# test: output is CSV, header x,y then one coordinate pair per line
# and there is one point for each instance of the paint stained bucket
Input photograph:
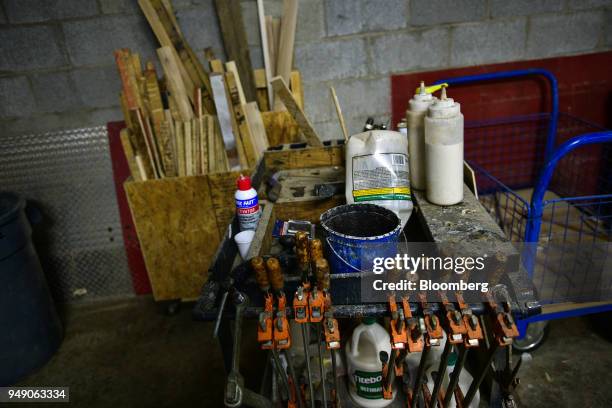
x,y
358,233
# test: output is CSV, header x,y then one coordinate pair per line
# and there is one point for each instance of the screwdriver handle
x,y
261,275
275,274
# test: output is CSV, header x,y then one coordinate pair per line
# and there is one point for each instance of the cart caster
x,y
170,307
535,334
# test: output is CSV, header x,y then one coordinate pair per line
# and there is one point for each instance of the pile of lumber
x,y
188,120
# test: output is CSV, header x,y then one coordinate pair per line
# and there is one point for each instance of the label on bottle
x,y
248,213
381,176
369,384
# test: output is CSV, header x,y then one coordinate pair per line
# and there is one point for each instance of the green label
x,y
369,384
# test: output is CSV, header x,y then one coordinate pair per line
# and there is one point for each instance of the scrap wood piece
x,y
339,113
284,63
128,79
188,136
230,66
244,132
175,83
179,131
269,65
261,89
216,66
235,42
280,88
223,111
138,174
272,43
296,88
258,130
161,18
164,138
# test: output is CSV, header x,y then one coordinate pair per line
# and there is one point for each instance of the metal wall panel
x,y
68,176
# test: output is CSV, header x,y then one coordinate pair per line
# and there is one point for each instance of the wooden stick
x,y
175,83
266,51
179,131
280,88
296,88
230,66
272,50
287,40
138,174
339,112
216,66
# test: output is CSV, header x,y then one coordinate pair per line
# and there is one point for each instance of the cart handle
x,y
554,93
537,197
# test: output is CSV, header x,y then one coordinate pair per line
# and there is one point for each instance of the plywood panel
x,y
177,234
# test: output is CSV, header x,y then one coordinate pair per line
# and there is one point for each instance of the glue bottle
x,y
247,204
415,116
444,151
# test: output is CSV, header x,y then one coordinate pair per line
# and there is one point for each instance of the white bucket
x,y
243,240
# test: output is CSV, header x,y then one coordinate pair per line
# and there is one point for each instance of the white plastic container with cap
x,y
415,117
364,366
465,380
377,171
444,151
247,204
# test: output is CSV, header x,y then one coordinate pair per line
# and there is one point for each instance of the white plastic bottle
x,y
363,364
415,117
465,381
377,171
444,151
247,204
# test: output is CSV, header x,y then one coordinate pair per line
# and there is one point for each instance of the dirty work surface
x,y
126,353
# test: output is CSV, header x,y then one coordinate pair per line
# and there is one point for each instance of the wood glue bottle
x,y
247,204
444,151
415,116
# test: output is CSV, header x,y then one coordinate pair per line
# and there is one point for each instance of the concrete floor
x,y
129,353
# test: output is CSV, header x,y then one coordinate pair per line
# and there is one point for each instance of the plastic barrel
x,y
30,329
358,233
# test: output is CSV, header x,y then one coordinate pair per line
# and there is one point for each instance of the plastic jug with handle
x,y
364,366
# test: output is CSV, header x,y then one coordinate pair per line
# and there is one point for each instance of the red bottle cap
x,y
243,183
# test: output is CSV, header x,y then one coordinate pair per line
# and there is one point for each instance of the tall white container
x,y
415,123
377,171
364,366
444,152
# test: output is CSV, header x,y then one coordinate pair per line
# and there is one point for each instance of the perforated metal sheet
x,y
68,176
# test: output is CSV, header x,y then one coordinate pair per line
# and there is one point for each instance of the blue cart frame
x,y
529,213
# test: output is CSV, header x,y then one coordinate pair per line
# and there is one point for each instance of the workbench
x,y
467,224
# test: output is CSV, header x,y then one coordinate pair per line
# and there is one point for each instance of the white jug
x,y
364,366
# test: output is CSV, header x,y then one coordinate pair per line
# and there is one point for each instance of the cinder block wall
x,y
57,72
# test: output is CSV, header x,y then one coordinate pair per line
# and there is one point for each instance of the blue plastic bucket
x,y
358,233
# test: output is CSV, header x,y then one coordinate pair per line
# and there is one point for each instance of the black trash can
x,y
30,329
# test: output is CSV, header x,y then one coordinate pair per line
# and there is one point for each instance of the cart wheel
x,y
533,338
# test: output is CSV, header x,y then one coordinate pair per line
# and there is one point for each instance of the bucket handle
x,y
344,260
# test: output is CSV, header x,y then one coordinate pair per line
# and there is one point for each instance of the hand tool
x,y
388,374
330,326
281,334
302,253
455,331
235,393
472,339
432,338
301,315
398,342
504,330
316,304
238,274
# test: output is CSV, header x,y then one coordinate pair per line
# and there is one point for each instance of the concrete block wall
x,y
57,69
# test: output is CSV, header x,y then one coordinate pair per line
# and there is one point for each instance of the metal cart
x,y
547,180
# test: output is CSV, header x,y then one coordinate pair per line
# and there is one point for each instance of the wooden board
x,y
230,66
177,234
302,158
177,88
283,92
280,128
261,90
235,42
286,41
257,128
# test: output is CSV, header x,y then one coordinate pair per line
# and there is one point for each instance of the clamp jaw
x,y
504,326
264,326
473,329
454,321
282,339
316,305
414,330
432,324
